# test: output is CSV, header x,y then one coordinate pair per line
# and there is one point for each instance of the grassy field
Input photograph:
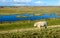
x,y
26,24
35,10
30,10
43,33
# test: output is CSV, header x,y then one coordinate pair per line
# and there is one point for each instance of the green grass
x,y
15,25
53,21
43,33
26,24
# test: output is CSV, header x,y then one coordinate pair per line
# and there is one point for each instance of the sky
x,y
29,2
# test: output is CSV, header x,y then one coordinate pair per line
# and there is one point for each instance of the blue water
x,y
14,17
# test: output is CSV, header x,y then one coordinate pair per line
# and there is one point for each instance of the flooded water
x,y
17,17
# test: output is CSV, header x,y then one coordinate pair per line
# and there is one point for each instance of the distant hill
x,y
29,9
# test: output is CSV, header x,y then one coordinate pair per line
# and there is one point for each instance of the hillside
x,y
25,9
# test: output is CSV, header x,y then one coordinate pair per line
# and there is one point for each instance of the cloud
x,y
22,0
18,4
38,2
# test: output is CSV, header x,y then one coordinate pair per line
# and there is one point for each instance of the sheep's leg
x,y
45,26
39,26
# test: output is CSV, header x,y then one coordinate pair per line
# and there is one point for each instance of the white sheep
x,y
41,24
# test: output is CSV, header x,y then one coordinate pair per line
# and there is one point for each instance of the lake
x,y
18,17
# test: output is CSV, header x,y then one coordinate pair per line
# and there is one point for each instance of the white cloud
x,y
22,0
18,4
38,2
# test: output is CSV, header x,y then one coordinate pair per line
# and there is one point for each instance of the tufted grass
x,y
43,33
